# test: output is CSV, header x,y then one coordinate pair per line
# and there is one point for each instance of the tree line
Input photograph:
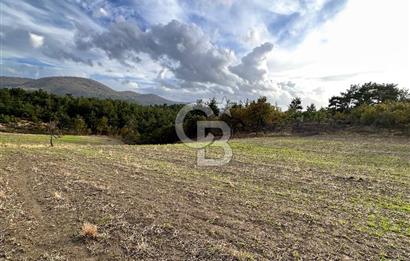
x,y
84,116
370,104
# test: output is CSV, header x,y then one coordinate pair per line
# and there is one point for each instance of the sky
x,y
184,50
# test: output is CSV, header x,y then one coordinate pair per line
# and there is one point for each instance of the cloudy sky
x,y
189,49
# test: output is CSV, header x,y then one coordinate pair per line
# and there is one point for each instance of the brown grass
x,y
89,230
57,195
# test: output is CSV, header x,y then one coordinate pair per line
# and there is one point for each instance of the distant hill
x,y
80,87
13,82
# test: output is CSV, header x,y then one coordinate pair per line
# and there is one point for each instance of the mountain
x,y
80,87
13,82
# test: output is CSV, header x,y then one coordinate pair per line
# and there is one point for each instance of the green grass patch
x,y
38,139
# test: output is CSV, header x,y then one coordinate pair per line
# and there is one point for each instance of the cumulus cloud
x,y
181,48
36,40
188,58
250,67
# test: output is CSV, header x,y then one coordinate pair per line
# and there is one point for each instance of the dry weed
x,y
89,230
57,195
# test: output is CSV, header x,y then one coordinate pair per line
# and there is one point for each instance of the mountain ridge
x,y
80,87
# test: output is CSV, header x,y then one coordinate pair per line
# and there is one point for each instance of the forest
x,y
370,104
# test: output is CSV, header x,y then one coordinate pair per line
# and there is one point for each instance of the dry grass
x,y
57,195
89,230
2,194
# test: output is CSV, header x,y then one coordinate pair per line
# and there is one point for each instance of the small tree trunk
x,y
51,126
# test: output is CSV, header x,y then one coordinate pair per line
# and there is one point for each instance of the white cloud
x,y
36,40
252,67
101,12
257,35
368,41
159,11
134,85
210,50
183,49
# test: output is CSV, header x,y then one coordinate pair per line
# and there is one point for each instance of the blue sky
x,y
189,49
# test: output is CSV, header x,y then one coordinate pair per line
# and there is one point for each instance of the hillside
x,y
13,82
80,87
280,198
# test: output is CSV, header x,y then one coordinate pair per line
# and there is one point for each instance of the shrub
x,y
130,136
89,230
386,115
4,118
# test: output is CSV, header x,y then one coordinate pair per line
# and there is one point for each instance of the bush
x,y
257,115
130,136
5,118
385,115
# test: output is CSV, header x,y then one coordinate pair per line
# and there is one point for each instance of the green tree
x,y
79,125
368,93
214,106
103,126
310,113
296,105
259,114
311,108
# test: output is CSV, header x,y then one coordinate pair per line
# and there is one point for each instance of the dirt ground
x,y
343,197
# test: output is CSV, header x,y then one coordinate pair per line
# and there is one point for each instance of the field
x,y
344,197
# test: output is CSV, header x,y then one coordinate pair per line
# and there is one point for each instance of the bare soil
x,y
281,198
